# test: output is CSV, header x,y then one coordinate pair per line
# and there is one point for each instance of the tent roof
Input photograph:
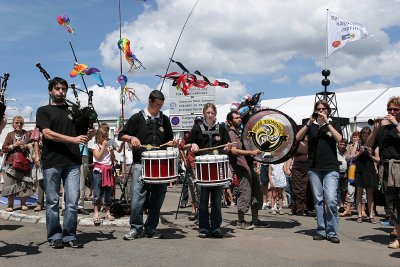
x,y
362,104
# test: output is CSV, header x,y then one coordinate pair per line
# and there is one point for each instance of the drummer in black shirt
x,y
209,134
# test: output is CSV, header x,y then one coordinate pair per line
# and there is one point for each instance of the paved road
x,y
287,243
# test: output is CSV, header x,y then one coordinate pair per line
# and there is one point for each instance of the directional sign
x,y
189,105
194,91
182,122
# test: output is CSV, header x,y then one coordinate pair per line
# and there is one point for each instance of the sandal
x,y
96,220
109,217
38,208
359,220
24,208
9,209
372,220
395,244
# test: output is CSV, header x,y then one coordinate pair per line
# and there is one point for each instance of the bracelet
x,y
396,124
328,123
307,125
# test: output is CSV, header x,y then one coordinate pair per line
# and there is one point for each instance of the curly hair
x,y
394,100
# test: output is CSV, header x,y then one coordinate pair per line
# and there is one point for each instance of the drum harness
x,y
156,121
209,133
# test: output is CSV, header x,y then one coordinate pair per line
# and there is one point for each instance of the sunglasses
x,y
19,123
393,109
321,109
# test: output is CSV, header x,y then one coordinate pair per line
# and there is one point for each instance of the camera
x,y
315,115
372,121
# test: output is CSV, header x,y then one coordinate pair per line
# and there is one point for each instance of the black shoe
x,y
203,235
83,211
318,237
57,244
334,239
299,213
153,234
74,244
192,217
293,212
217,234
183,205
260,224
341,210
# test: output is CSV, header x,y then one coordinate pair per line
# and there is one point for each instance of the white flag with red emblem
x,y
341,31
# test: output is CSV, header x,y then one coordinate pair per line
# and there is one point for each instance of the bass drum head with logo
x,y
272,132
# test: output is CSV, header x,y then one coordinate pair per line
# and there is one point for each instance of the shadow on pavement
x,y
10,227
381,239
7,250
395,254
308,232
99,236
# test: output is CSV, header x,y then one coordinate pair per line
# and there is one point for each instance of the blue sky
x,y
275,46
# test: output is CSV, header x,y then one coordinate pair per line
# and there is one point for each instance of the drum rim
x,y
202,158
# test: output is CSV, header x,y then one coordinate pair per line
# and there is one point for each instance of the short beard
x,y
58,100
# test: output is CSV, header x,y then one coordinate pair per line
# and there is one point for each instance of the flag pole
x,y
326,40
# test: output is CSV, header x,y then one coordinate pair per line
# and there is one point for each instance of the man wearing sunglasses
x,y
386,136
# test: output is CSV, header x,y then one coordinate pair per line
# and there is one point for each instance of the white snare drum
x,y
159,166
212,170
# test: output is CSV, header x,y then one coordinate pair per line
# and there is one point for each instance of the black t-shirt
x,y
57,154
219,137
322,147
388,140
153,132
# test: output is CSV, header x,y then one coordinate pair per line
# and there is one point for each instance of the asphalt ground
x,y
288,242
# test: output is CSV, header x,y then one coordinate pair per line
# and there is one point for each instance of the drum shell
x,y
212,170
159,166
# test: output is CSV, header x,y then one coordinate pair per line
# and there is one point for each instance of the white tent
x,y
358,106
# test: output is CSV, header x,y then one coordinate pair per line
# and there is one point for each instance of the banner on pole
x,y
341,31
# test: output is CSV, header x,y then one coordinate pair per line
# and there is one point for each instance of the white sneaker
x,y
273,212
265,206
281,212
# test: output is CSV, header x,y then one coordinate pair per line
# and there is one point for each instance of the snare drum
x,y
212,170
159,166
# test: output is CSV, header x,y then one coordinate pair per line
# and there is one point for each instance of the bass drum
x,y
272,132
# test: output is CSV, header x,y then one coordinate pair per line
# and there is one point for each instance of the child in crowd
x,y
277,180
103,180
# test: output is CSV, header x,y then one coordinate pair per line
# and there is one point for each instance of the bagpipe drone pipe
x,y
3,83
83,117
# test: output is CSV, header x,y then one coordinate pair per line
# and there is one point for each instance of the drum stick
x,y
210,148
149,146
168,142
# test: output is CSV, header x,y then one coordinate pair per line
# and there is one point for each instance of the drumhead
x,y
272,132
210,158
156,154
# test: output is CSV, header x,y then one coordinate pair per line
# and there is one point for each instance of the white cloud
x,y
106,101
283,79
366,85
251,37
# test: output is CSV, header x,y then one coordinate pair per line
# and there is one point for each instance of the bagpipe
x,y
83,117
5,78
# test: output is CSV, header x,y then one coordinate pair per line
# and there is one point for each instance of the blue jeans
x,y
99,191
139,191
70,176
324,185
216,217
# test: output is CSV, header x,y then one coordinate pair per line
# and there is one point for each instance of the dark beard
x,y
58,100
